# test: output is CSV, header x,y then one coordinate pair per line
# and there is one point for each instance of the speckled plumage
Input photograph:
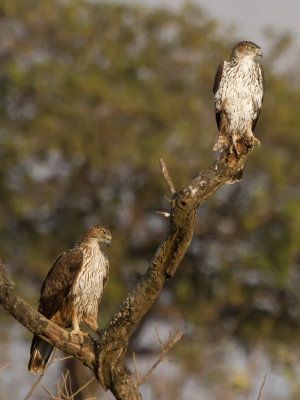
x,y
88,286
238,96
72,291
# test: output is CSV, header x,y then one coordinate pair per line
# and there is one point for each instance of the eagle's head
x,y
246,48
99,233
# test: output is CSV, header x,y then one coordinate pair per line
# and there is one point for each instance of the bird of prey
x,y
238,97
72,291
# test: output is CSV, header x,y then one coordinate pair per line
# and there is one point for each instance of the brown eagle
x,y
238,97
72,291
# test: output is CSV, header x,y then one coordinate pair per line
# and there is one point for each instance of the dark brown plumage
x,y
72,290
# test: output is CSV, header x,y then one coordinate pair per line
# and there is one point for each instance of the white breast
x,y
240,94
88,287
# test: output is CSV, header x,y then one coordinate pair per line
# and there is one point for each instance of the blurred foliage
x,y
92,95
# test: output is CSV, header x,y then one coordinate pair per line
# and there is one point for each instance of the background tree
x,y
92,95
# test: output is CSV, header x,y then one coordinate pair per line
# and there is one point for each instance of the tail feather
x,y
39,355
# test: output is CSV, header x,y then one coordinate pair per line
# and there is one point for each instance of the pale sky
x,y
250,17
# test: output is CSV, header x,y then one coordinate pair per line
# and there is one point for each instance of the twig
x,y
168,199
163,213
167,176
49,393
35,385
64,383
165,350
64,391
62,359
91,398
5,366
159,340
262,386
84,386
136,370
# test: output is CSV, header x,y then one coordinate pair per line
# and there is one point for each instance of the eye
x,y
250,47
102,232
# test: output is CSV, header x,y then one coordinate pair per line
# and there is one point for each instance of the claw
x,y
81,335
256,141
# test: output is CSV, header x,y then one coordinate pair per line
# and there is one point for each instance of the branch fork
x,y
106,357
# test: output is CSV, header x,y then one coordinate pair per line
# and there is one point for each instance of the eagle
x,y
238,97
72,291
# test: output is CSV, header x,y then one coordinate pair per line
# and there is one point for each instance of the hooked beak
x,y
259,53
108,242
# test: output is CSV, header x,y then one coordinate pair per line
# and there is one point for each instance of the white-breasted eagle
x,y
238,97
72,291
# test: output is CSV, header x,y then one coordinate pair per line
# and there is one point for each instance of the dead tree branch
x,y
5,366
167,176
262,386
165,350
106,357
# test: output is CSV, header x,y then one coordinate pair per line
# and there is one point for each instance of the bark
x,y
106,356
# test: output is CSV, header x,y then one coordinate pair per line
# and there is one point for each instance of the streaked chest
x,y
241,82
88,286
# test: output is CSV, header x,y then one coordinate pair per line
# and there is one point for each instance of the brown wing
x,y
217,81
262,84
59,281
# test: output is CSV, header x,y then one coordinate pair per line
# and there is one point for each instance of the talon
x,y
256,141
81,335
233,149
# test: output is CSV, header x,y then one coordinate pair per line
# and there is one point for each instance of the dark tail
x,y
40,352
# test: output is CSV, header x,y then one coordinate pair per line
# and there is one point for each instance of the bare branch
x,y
5,366
262,386
159,341
163,213
49,393
168,199
65,384
61,359
84,386
136,370
167,176
165,350
64,391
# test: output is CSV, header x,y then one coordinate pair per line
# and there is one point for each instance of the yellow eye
x,y
102,232
249,47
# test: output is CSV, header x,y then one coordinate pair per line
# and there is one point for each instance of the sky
x,y
251,17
